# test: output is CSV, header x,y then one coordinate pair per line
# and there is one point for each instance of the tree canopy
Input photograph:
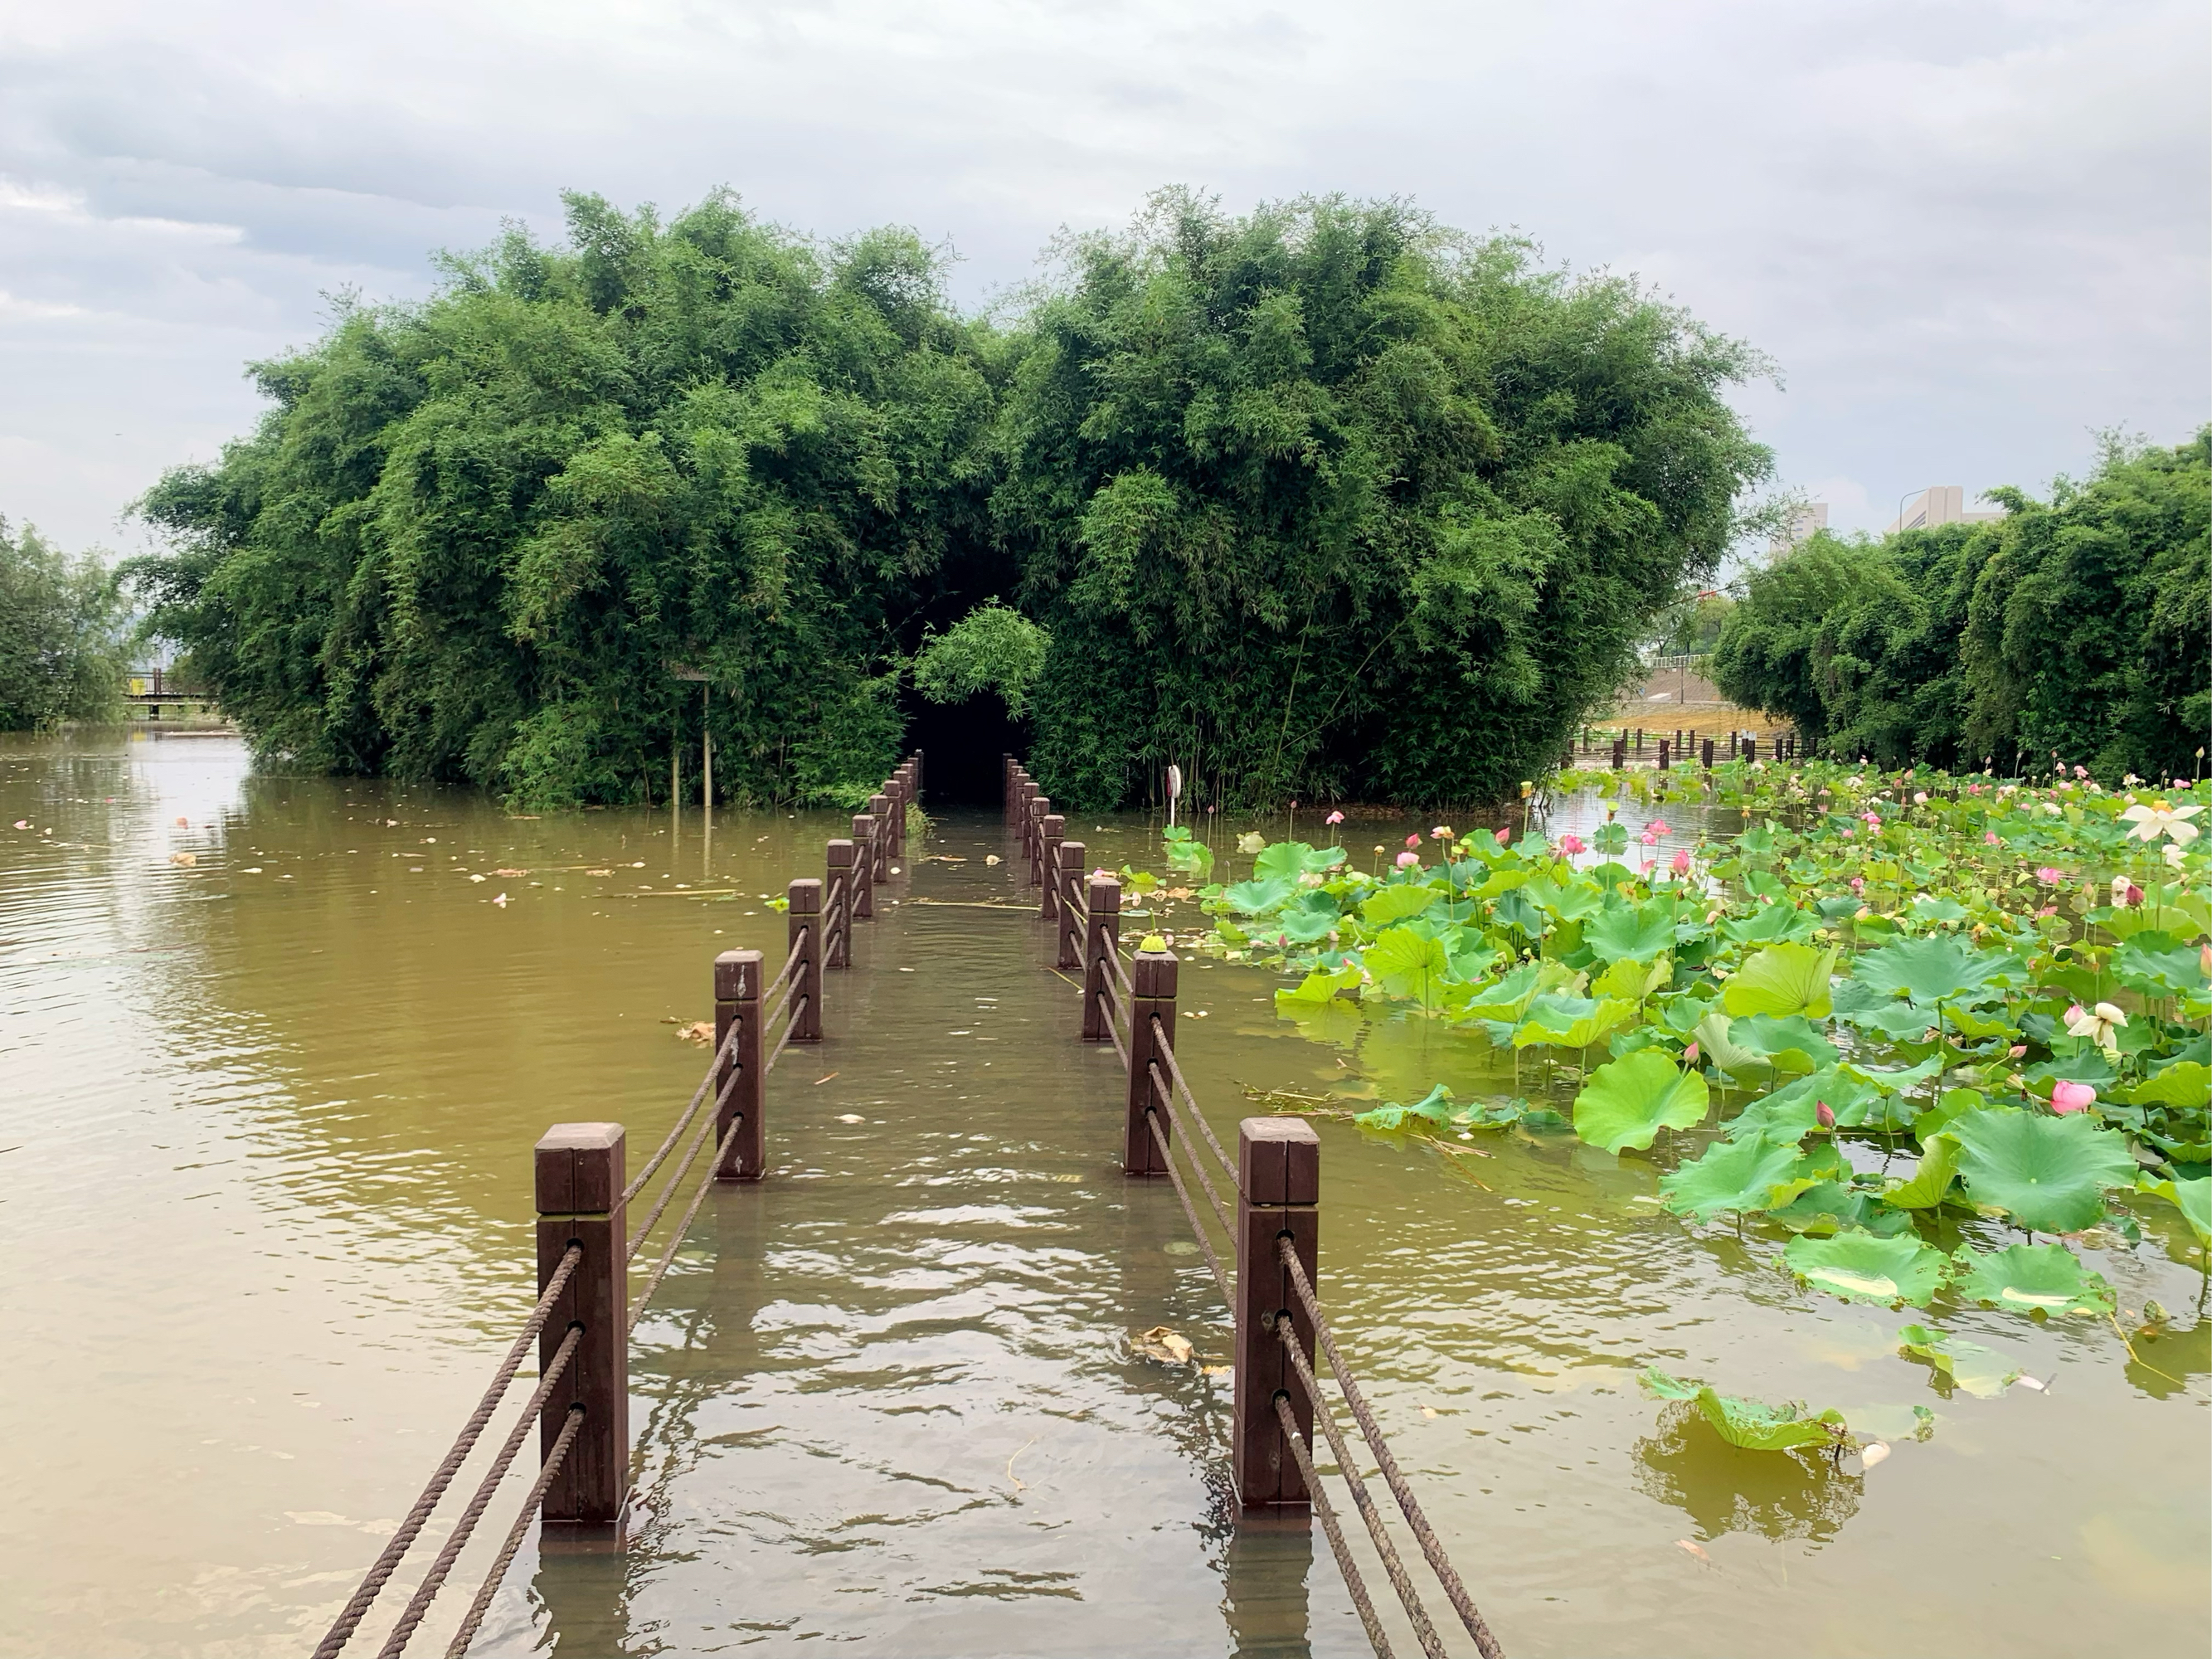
x,y
1323,500
2077,630
62,634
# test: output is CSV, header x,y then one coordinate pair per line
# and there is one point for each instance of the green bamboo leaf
x,y
1782,980
2033,1278
1862,1268
1627,1101
2050,1174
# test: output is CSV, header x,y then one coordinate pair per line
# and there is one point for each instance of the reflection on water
x,y
269,1079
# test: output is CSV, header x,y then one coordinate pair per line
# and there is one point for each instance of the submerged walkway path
x,y
886,1380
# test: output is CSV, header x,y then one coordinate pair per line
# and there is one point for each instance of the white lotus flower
x,y
2154,818
2098,1025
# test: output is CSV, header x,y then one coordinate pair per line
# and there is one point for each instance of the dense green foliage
x,y
2077,630
62,635
1326,502
1692,627
1321,500
993,648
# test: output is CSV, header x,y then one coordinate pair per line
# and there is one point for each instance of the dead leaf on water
x,y
989,858
1162,1345
1428,1411
1874,1452
510,875
598,872
1218,1371
699,1031
183,860
1696,1550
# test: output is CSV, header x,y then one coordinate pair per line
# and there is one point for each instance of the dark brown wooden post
x,y
1709,754
1067,926
1050,833
1664,751
1040,810
1152,983
913,772
581,1173
1102,941
1278,1192
889,813
804,897
1619,753
865,830
837,906
737,1002
1751,749
1640,739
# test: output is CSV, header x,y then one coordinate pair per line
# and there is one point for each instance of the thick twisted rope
x,y
1423,1632
782,1002
790,962
381,1569
473,1619
783,1042
668,1187
675,1239
660,1154
1174,1123
435,1580
1205,1243
1455,1591
1337,1546
1114,1030
1166,1051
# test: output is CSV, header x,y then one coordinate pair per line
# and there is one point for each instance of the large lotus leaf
x,y
1969,1023
1319,988
1983,1372
1898,1081
1830,1207
1634,933
1939,1167
1862,1268
1631,978
1567,1022
1504,999
1794,1109
1772,924
1871,1010
2033,1278
1627,1101
1790,1045
2050,1174
1253,898
1783,979
1928,909
1406,964
1434,1110
1750,1174
1295,858
2186,1082
1572,903
1933,970
2192,1198
1751,1423
1395,902
1306,920
1516,909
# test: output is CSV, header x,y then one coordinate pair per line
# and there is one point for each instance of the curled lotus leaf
x,y
1406,963
1782,980
2033,1278
1750,1174
1831,1206
2048,1174
1628,1101
1632,932
1434,1110
1863,1268
1927,1186
1320,986
1554,1021
2192,1198
1295,858
1751,1423
1983,1372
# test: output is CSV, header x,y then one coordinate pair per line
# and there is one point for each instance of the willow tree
x,y
1328,502
480,538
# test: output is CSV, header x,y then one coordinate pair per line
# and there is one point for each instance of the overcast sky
x,y
1967,231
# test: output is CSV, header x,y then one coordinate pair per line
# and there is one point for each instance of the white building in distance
x,y
1938,504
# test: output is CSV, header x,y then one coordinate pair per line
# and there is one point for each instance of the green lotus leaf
x,y
1869,1010
1627,1101
1573,902
1900,1080
1631,978
2050,1174
1751,1423
1294,858
1862,1267
1406,964
1927,909
1750,1174
1317,987
2186,1084
1252,898
2033,1278
1789,1045
1434,1110
1969,1023
2192,1198
1635,934
1395,902
1505,998
1566,1021
1793,1110
1829,1207
1782,980
1939,1167
1719,1047
1773,924
1310,917
1933,970
1981,1372
2173,970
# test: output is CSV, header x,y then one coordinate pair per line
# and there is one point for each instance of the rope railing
x,y
1167,1104
1113,1028
1338,1548
1393,1476
410,1525
690,1155
1198,1230
473,1619
682,1226
698,1095
783,1042
1166,1051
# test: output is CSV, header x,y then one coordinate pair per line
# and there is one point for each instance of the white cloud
x,y
1968,230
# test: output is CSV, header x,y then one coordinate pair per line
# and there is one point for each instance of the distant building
x,y
1808,521
1938,504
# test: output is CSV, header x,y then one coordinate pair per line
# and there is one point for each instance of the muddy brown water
x,y
267,1120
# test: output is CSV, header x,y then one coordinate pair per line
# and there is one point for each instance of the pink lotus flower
x,y
1648,838
2081,771
1407,860
2135,894
1334,817
1989,838
2070,1097
1441,832
1572,845
1850,832
1682,862
1657,826
1413,841
1506,835
1690,1055
2049,877
1872,821
1858,883
1823,1114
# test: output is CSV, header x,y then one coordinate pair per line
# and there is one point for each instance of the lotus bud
x,y
2067,1096
1823,1114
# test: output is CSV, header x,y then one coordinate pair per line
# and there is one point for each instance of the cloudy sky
x,y
1969,232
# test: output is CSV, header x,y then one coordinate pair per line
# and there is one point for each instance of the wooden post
x,y
889,811
1104,940
581,1173
1278,1192
1040,810
865,830
1640,739
837,904
1751,749
1709,754
1619,753
1664,751
1067,926
1152,981
737,1002
804,915
1048,838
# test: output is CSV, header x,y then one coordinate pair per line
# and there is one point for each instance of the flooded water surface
x,y
273,1053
